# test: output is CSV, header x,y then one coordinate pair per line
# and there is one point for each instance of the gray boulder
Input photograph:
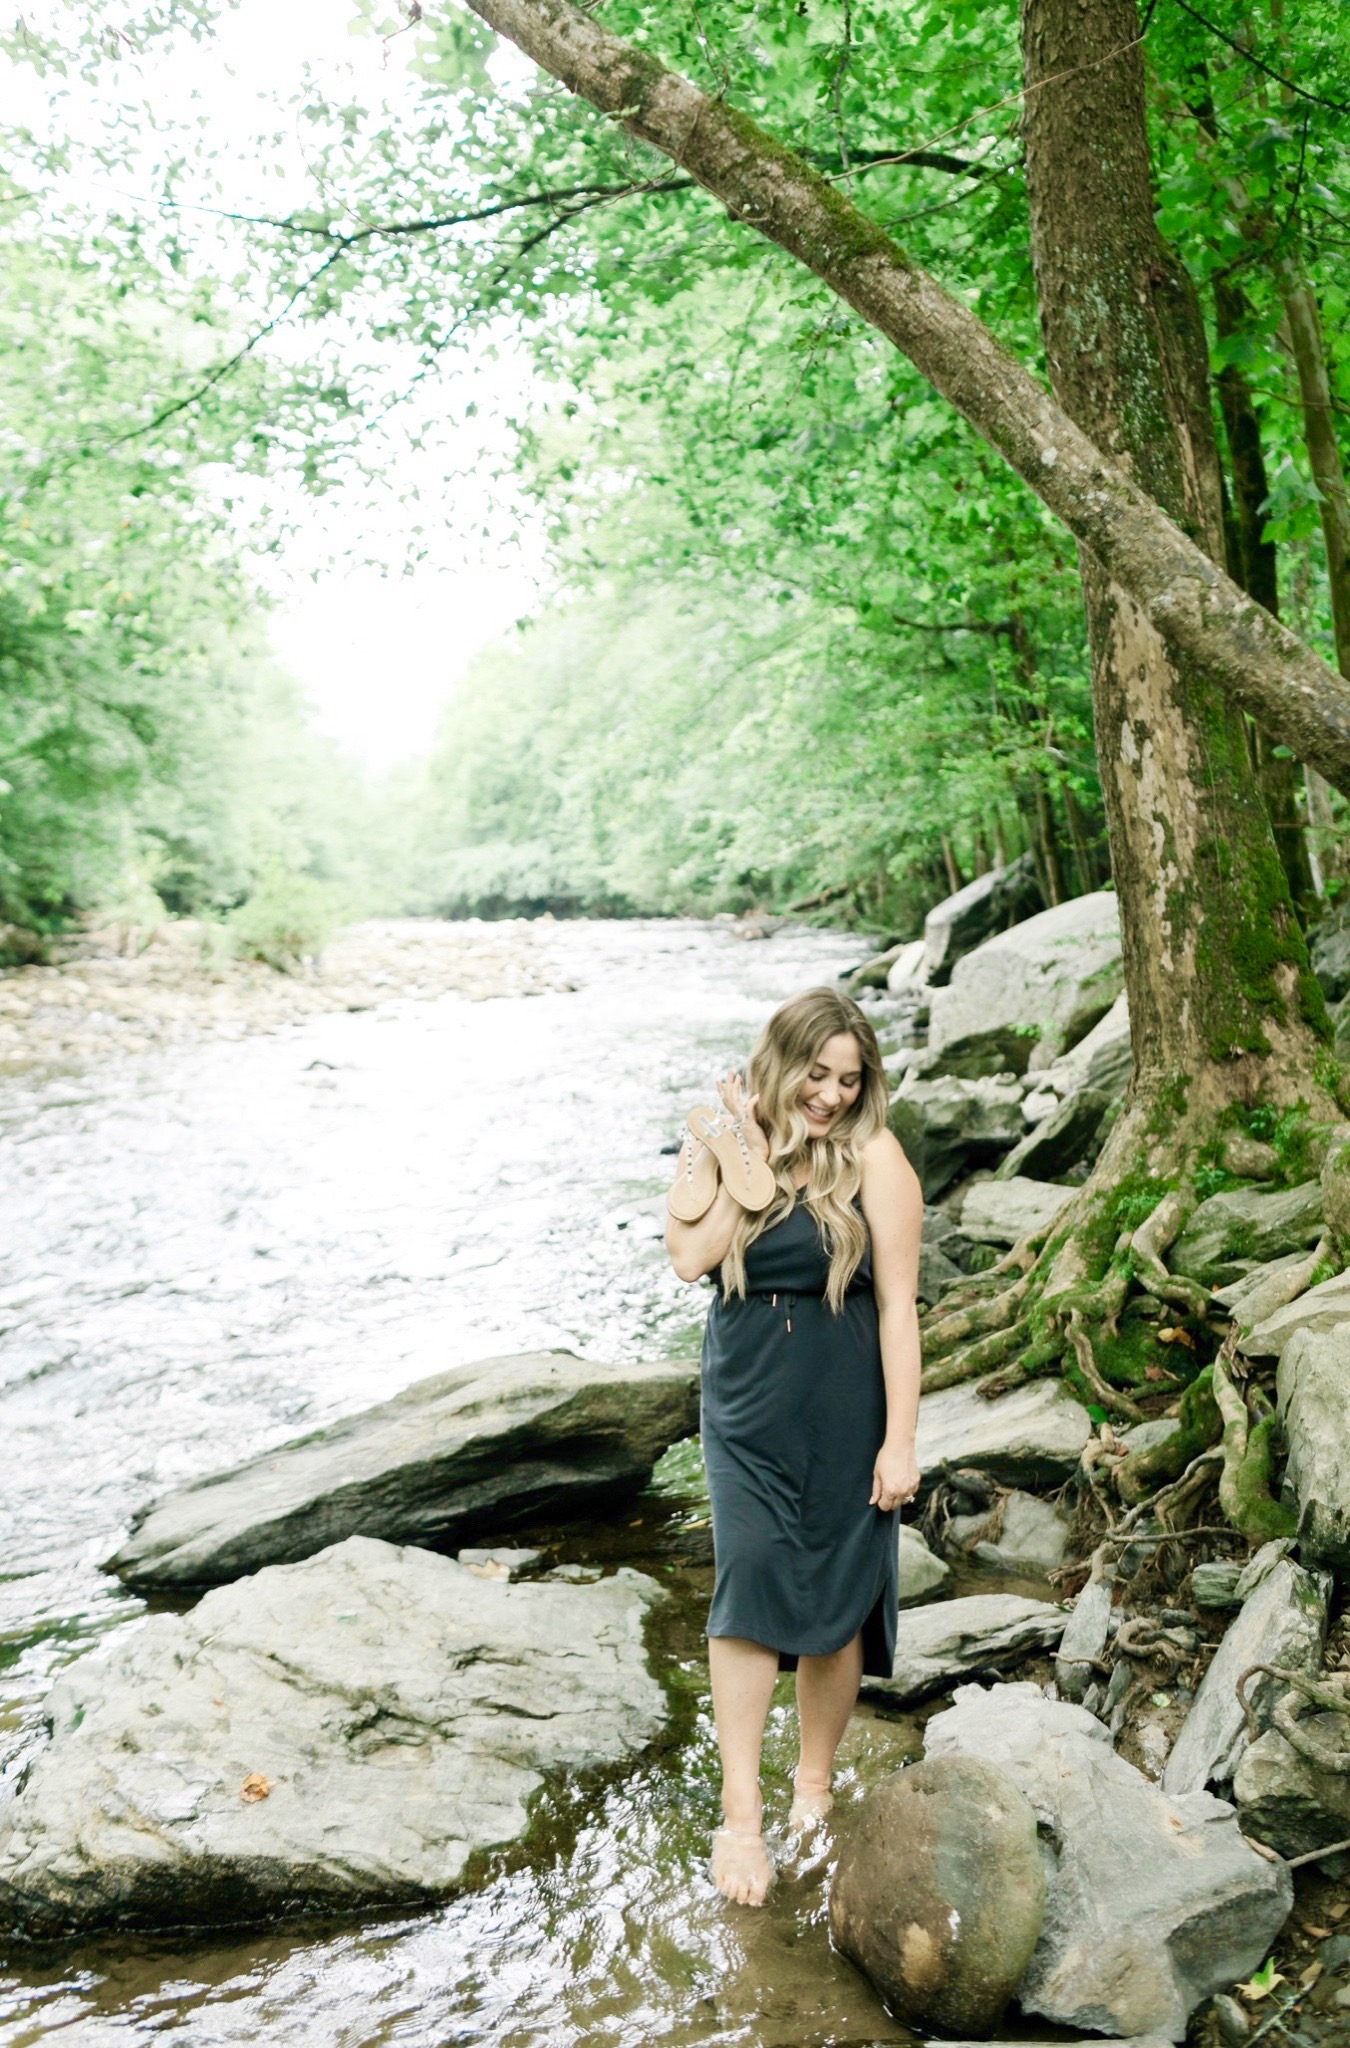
x,y
922,1573
1313,1385
1283,1620
1321,1310
1248,1226
937,1274
1025,1535
937,1646
468,1453
1263,1289
1153,1903
938,1894
1051,979
1214,1585
1060,1140
1330,954
321,1737
1103,1060
946,1126
987,905
1284,1800
1083,1643
872,973
905,974
1033,1436
1005,1211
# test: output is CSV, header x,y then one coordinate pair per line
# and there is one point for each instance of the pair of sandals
x,y
716,1151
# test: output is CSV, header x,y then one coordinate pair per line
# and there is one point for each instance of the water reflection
x,y
205,1249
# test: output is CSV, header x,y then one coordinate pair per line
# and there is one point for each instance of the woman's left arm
x,y
892,1202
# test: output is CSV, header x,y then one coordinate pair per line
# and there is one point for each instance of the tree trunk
x,y
1215,965
1253,563
1221,635
1319,432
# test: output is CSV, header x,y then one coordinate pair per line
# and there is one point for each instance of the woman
x,y
810,1394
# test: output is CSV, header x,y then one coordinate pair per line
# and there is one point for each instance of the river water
x,y
206,1249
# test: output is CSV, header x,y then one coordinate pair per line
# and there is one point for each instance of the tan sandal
x,y
745,1174
695,1187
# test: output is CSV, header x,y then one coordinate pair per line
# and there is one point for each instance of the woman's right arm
x,y
695,1248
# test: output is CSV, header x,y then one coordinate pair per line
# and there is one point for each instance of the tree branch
x,y
1208,622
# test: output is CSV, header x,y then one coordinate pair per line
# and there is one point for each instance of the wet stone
x,y
466,1453
323,1736
939,1892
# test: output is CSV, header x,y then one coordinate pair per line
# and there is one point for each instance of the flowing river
x,y
206,1249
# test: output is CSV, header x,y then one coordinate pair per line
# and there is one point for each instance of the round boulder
x,y
939,1892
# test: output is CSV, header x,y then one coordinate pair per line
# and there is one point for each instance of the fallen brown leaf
x,y
1311,1974
256,1786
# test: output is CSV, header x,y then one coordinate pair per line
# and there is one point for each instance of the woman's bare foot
x,y
810,1803
741,1868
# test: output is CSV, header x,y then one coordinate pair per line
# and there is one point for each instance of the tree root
x,y
1152,1239
1199,1426
981,1318
1110,1397
975,1358
1305,1695
1248,1462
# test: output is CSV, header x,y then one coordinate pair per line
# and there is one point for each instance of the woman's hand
x,y
731,1089
895,1476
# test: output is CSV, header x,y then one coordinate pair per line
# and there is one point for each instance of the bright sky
x,y
378,655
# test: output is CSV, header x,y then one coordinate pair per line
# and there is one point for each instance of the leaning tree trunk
x,y
1221,1005
1203,616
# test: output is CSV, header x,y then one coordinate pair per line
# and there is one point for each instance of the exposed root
x,y
1148,1642
1277,1290
975,1358
1305,1695
1110,1397
1248,1462
1152,1239
977,1320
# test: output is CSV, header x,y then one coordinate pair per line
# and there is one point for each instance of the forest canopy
x,y
813,643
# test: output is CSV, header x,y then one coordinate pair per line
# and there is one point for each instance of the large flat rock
x,y
937,1646
1033,1436
1153,1902
396,1710
468,1453
1283,1620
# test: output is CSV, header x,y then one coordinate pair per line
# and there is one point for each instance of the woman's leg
x,y
826,1690
743,1675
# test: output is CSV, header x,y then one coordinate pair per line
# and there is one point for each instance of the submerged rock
x,y
1313,1383
939,1893
1152,1902
1246,1226
1033,1436
1005,1211
324,1736
937,1646
1050,978
465,1454
1283,1620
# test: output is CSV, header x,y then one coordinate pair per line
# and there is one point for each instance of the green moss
x,y
1125,1358
1257,1514
1199,1425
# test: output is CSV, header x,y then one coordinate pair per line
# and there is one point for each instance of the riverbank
x,y
99,998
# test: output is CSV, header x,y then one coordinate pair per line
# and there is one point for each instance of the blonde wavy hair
x,y
786,1050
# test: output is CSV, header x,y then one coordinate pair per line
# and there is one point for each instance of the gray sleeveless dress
x,y
794,1412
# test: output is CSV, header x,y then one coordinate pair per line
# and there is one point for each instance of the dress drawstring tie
x,y
789,1303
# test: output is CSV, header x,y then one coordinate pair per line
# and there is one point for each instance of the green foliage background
x,y
812,643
